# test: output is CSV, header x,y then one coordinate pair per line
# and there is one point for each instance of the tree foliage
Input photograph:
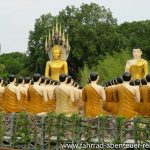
x,y
95,39
37,56
113,65
108,68
137,33
92,33
13,63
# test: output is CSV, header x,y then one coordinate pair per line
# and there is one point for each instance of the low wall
x,y
26,131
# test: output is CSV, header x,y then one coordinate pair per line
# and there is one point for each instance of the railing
x,y
30,132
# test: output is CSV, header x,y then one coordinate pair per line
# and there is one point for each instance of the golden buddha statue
x,y
58,49
137,66
57,66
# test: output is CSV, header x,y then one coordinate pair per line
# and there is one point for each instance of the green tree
x,y
37,56
92,33
137,33
113,65
84,74
109,68
13,63
93,36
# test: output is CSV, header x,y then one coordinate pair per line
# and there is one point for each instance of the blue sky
x,y
17,17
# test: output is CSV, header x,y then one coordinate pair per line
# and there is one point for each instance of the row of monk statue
x,y
120,97
128,97
37,96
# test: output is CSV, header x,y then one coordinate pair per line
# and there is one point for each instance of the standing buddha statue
x,y
57,47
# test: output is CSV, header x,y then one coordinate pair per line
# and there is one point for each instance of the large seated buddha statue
x,y
57,47
137,66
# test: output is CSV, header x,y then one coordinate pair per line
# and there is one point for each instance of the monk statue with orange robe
x,y
144,105
1,94
111,94
23,94
94,96
137,67
37,95
43,86
75,95
143,94
27,83
51,103
108,104
137,84
64,97
58,49
11,96
115,106
127,95
78,96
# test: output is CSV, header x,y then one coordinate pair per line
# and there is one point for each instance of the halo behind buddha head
x,y
57,40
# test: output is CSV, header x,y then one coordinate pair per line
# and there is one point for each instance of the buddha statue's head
x,y
56,52
137,53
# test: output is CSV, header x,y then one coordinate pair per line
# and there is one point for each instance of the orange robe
x,y
126,103
139,70
63,102
115,103
76,104
10,101
27,101
109,99
22,102
79,101
93,102
49,106
144,105
36,100
1,101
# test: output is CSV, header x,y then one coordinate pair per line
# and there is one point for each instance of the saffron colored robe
x,y
22,102
1,101
115,103
49,106
108,104
63,102
126,103
144,105
36,100
10,101
93,103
